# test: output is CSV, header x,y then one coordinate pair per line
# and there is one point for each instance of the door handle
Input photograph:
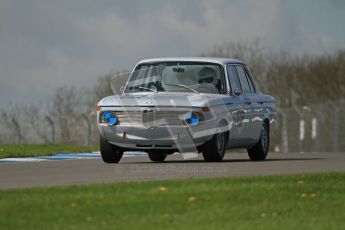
x,y
248,102
261,102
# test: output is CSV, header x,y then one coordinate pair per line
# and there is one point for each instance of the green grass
x,y
311,201
41,150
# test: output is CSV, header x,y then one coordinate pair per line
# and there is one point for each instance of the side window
x,y
250,84
243,79
250,81
233,77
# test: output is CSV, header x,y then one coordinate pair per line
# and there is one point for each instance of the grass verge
x,y
311,201
41,150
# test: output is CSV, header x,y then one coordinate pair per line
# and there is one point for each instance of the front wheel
x,y
110,153
214,149
157,156
259,151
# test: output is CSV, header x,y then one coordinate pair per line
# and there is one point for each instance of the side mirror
x,y
237,92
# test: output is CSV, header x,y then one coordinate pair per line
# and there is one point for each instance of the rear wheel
x,y
110,153
259,151
157,156
214,149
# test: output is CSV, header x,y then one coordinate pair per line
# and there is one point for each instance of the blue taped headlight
x,y
192,118
110,118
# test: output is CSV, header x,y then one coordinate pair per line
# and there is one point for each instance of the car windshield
x,y
195,77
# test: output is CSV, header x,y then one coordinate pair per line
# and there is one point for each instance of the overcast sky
x,y
46,44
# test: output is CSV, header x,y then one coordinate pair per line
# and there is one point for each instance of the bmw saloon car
x,y
200,105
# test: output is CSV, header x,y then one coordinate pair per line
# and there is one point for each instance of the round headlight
x,y
110,118
192,118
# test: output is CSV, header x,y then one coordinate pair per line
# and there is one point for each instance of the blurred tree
x,y
65,113
300,80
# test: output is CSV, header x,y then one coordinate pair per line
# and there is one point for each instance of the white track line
x,y
65,156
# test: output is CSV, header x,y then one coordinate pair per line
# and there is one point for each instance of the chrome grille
x,y
149,118
173,118
129,117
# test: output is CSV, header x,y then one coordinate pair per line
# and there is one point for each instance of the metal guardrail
x,y
312,128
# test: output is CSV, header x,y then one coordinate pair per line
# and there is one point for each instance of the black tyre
x,y
110,153
157,156
214,149
259,151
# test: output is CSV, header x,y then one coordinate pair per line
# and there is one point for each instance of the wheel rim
x,y
220,142
264,138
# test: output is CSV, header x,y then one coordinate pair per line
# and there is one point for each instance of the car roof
x,y
217,60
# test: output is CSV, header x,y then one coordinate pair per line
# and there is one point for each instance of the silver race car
x,y
198,105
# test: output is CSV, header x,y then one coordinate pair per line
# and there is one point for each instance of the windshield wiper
x,y
149,89
185,87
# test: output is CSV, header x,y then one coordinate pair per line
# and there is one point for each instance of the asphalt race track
x,y
88,171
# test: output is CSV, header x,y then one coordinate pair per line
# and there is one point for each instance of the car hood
x,y
164,99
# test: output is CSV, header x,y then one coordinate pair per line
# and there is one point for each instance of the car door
x,y
236,106
252,121
245,126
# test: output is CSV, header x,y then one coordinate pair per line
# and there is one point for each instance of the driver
x,y
207,78
207,75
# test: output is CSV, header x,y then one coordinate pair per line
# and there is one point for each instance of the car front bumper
x,y
181,138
